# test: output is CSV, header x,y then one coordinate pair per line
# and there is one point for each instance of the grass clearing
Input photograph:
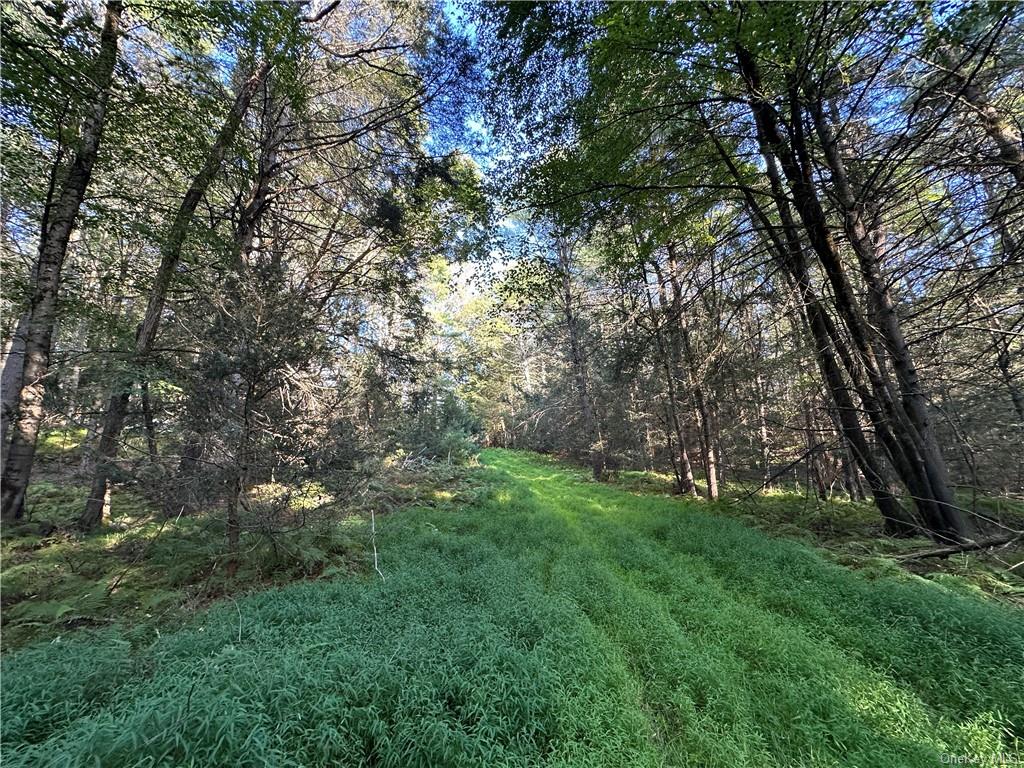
x,y
544,620
850,532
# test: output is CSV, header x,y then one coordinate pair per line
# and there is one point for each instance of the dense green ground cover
x,y
553,622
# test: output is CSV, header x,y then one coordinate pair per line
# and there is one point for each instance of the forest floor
x,y
850,532
528,616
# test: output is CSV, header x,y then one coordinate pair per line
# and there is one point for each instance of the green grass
x,y
850,532
550,621
140,566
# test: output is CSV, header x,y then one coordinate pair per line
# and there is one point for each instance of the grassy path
x,y
551,622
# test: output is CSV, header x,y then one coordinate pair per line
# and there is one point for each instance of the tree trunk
x,y
1006,137
827,344
27,410
233,525
1003,363
1002,131
763,436
703,412
685,351
707,443
147,419
851,480
911,448
815,475
867,245
69,389
240,483
12,378
170,254
578,364
896,519
683,468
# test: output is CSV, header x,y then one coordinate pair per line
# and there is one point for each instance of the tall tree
x,y
26,390
170,255
667,105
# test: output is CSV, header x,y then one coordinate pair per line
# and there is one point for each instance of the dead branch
x,y
969,546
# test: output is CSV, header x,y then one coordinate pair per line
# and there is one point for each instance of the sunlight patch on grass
x,y
53,443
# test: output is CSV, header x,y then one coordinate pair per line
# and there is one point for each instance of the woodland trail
x,y
549,620
746,650
275,273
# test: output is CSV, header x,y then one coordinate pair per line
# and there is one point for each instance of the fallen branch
x,y
969,546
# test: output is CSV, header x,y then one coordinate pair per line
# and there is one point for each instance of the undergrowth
x,y
543,621
851,532
144,567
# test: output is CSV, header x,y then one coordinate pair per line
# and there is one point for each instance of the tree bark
x,y
999,129
896,519
239,483
670,362
912,449
147,418
12,377
707,443
1002,132
867,245
704,423
828,346
763,436
815,473
703,411
789,255
27,411
578,363
170,255
1006,374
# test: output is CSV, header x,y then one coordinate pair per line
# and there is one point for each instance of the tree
x,y
170,254
778,112
25,408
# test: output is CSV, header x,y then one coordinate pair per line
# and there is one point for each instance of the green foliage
x,y
441,426
551,622
57,443
142,567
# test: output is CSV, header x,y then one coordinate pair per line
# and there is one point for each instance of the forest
x,y
483,383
